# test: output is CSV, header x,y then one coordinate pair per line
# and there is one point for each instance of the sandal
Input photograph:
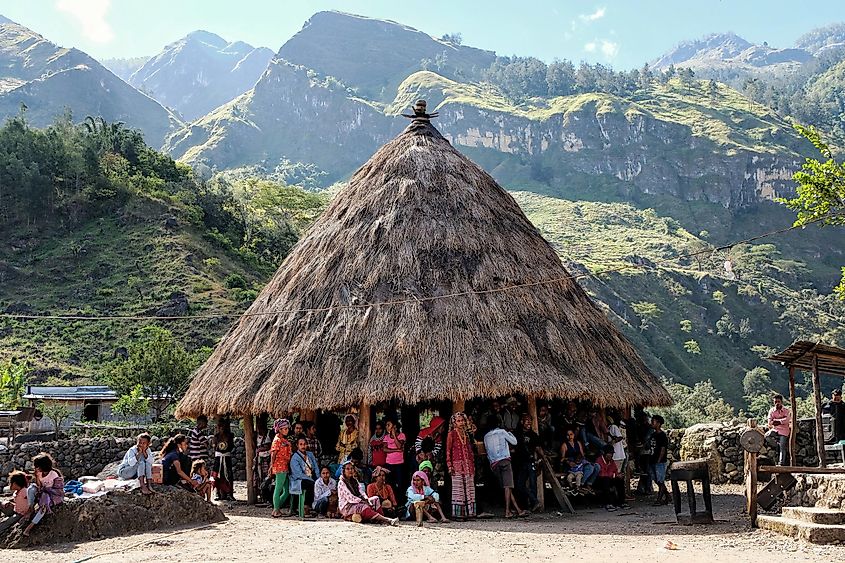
x,y
508,515
524,514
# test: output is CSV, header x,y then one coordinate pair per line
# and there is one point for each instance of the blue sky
x,y
623,34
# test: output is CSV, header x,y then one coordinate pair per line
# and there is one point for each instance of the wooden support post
x,y
751,487
817,396
249,443
365,427
535,426
793,424
308,415
458,406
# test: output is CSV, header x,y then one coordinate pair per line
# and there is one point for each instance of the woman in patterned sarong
x,y
460,461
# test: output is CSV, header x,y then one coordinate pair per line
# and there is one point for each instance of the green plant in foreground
x,y
13,382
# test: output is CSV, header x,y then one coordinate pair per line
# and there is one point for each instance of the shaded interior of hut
x,y
555,434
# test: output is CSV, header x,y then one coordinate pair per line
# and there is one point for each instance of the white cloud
x,y
91,16
597,15
609,48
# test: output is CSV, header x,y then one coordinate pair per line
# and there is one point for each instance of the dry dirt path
x,y
636,535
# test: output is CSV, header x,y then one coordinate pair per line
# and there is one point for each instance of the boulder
x,y
176,306
699,442
118,513
110,470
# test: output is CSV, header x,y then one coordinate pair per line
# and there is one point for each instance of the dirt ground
x,y
638,534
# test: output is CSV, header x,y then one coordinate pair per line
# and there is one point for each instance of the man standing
x,y
836,409
525,459
659,458
780,419
198,439
497,442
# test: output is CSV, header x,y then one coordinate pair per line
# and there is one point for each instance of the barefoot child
x,y
49,488
200,477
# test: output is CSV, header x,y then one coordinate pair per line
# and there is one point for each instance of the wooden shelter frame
x,y
816,358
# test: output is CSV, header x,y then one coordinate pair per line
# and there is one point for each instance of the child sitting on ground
x,y
200,478
21,503
49,488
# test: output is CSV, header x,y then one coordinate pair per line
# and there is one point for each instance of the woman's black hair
x,y
44,462
171,444
356,454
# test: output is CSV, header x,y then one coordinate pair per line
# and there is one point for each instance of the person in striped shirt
x,y
198,439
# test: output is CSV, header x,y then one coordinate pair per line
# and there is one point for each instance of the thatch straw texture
x,y
417,221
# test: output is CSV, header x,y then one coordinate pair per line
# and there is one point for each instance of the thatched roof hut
x,y
402,290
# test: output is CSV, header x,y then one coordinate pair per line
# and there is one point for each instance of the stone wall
x,y
718,443
88,456
827,491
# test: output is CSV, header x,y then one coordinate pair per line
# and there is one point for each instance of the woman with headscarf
x,y
280,454
422,499
354,504
460,461
381,488
348,438
224,445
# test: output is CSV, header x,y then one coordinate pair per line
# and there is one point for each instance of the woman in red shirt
x,y
280,454
460,461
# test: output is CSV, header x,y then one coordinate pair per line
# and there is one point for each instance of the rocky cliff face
x,y
200,72
638,151
669,145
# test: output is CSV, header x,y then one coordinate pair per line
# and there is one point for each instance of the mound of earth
x,y
117,513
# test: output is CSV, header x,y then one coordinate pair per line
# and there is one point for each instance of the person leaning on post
x,y
780,419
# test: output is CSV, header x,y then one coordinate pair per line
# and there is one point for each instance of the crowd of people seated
x,y
593,451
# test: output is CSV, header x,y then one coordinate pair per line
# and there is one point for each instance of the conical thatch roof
x,y
419,220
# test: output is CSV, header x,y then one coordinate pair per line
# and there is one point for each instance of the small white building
x,y
90,403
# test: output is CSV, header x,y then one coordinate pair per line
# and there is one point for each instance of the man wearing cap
x,y
836,409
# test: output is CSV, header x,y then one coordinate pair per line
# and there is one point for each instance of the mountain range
x,y
613,177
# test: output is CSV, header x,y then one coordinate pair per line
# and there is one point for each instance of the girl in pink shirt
x,y
50,488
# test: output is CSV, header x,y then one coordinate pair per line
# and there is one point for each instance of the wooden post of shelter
x,y
535,426
793,424
249,443
458,405
365,427
817,396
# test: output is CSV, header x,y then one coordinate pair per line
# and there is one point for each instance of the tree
x,y
712,91
453,38
647,312
719,297
132,404
56,412
692,347
686,325
692,405
757,381
13,382
156,363
820,196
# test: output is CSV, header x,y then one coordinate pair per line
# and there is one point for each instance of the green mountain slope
x,y
374,56
50,80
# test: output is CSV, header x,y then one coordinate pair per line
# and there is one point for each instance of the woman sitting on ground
x,y
422,500
49,488
175,462
303,471
325,494
580,472
381,489
353,502
138,463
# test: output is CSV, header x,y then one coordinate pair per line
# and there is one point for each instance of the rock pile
x,y
117,513
824,491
